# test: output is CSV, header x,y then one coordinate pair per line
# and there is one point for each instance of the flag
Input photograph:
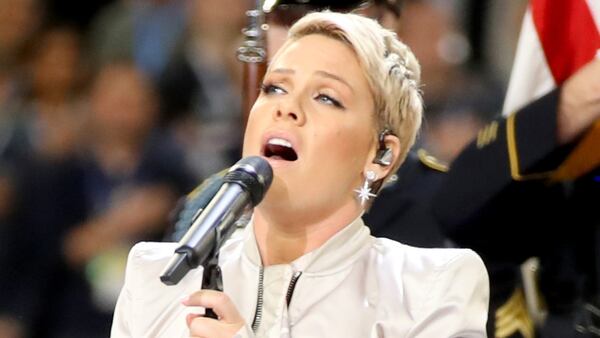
x,y
557,38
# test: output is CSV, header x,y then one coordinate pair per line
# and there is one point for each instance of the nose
x,y
290,110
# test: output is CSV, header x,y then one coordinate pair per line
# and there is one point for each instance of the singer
x,y
339,109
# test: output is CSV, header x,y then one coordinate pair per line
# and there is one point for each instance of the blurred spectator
x,y
51,110
111,34
143,30
499,35
19,20
78,217
200,88
38,109
133,173
461,117
441,48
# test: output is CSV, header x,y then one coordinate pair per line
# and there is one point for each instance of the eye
x,y
329,100
272,89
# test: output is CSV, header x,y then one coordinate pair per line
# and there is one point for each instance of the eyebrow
x,y
283,71
318,72
334,77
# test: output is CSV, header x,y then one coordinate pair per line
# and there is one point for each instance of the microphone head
x,y
254,174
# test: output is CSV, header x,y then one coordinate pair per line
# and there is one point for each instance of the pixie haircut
x,y
391,69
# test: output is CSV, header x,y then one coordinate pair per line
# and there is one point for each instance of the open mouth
x,y
279,149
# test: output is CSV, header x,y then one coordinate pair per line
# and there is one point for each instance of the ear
x,y
381,155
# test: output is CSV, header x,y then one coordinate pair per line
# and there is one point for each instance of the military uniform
x,y
402,211
497,199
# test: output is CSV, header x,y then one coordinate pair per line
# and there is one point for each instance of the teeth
x,y
279,142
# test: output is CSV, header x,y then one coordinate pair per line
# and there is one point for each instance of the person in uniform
x,y
503,198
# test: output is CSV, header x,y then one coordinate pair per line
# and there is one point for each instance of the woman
x,y
338,112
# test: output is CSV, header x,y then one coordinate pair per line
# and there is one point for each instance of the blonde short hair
x,y
391,69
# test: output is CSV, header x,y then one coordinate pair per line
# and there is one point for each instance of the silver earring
x,y
364,193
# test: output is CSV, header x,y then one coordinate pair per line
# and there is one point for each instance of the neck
x,y
283,238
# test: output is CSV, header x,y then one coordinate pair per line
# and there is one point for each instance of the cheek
x,y
345,147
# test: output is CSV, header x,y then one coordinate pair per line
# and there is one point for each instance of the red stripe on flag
x,y
568,34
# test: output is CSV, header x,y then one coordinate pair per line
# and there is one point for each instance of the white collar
x,y
335,254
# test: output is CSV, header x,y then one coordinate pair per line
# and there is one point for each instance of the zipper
x,y
260,297
290,291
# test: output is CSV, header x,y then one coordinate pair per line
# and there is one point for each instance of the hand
x,y
229,323
579,104
140,211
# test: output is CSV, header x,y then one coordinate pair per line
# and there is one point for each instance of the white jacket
x,y
354,285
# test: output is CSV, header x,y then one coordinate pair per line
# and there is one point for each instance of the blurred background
x,y
111,110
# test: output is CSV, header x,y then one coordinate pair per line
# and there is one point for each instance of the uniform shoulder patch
x,y
487,135
431,162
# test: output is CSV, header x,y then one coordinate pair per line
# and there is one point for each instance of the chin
x,y
278,193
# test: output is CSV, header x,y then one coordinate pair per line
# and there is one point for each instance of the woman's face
x,y
314,122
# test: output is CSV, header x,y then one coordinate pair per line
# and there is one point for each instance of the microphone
x,y
194,204
245,185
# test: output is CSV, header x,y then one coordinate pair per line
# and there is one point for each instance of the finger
x,y
190,317
203,327
216,300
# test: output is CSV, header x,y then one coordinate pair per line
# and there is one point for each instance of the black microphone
x,y
245,185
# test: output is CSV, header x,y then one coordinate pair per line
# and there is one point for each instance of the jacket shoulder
x,y
445,290
433,260
145,299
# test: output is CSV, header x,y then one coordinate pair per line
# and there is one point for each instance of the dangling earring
x,y
364,193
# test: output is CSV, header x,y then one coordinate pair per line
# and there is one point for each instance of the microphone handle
x,y
209,313
212,279
209,231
